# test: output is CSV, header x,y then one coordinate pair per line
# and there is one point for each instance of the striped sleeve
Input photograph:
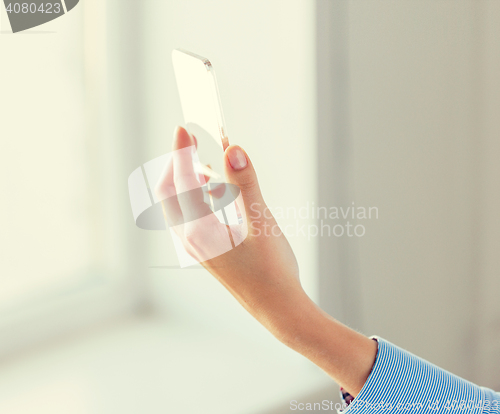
x,y
401,382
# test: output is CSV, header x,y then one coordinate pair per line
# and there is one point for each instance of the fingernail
x,y
237,158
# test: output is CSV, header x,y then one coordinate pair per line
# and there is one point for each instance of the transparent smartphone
x,y
201,107
204,119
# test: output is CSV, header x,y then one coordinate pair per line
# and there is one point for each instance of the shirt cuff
x,y
401,382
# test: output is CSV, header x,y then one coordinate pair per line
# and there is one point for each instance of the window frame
x,y
116,289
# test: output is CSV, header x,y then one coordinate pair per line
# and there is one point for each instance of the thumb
x,y
240,172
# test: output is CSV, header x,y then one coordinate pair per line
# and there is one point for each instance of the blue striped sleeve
x,y
401,382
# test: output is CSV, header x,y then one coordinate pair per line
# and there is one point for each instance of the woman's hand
x,y
261,271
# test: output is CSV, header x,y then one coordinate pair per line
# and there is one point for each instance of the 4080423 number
x,y
34,8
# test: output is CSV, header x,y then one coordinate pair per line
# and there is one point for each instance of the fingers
x,y
188,187
185,178
239,171
181,194
165,192
165,187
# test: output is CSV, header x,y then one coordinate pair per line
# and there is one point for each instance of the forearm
x,y
377,373
344,354
262,273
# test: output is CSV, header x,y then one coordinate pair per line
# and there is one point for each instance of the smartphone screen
x,y
203,117
201,107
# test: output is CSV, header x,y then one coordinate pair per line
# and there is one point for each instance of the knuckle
x,y
184,180
192,234
249,187
159,190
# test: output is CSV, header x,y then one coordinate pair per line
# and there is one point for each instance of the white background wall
x,y
488,298
421,127
424,121
421,117
263,54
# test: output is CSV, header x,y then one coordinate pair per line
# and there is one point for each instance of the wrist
x,y
279,311
302,326
292,323
344,354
